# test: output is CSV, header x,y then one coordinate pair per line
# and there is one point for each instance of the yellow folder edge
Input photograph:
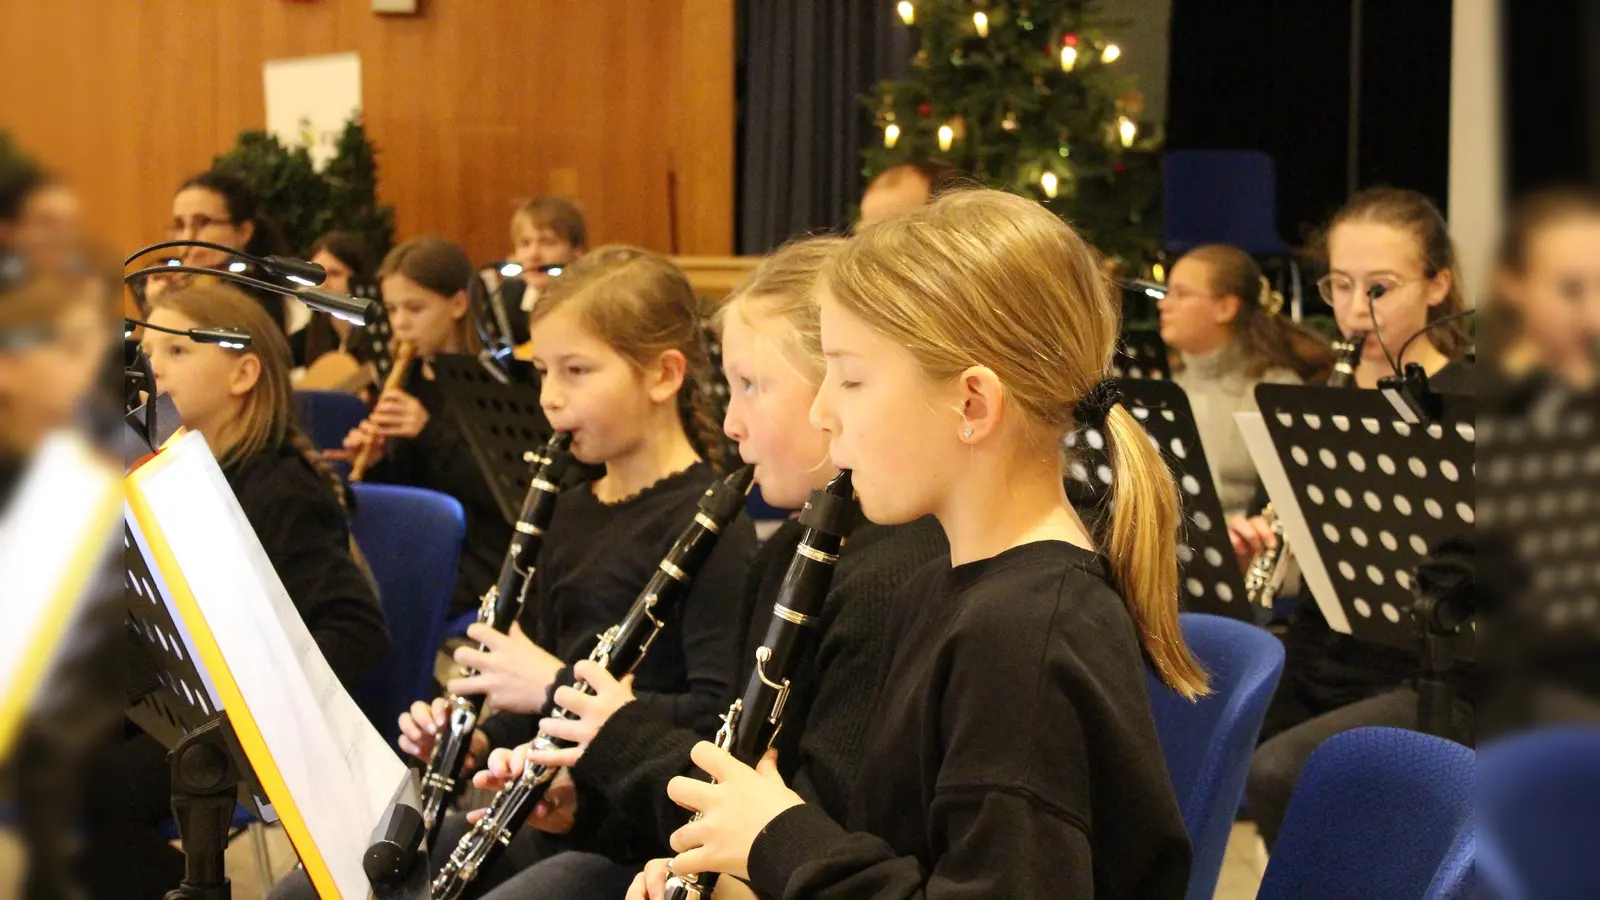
x,y
59,613
244,725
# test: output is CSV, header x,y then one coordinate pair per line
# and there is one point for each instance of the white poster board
x,y
309,100
328,774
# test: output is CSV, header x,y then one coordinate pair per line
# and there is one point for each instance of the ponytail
x,y
1141,541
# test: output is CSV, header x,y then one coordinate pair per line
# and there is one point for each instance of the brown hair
x,y
351,250
1268,339
441,267
270,417
641,305
784,286
982,277
1413,213
555,213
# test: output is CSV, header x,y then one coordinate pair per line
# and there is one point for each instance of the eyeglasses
x,y
196,226
1343,287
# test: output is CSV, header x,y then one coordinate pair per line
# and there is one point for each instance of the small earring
x,y
967,432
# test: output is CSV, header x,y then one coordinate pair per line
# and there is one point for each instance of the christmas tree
x,y
1028,96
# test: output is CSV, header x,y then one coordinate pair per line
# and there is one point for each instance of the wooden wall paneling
x,y
473,104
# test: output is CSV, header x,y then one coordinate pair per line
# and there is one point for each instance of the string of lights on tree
x,y
1028,96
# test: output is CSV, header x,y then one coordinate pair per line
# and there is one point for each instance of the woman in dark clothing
x,y
220,207
1395,240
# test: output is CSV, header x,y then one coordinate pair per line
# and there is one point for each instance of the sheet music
x,y
334,774
60,522
1270,467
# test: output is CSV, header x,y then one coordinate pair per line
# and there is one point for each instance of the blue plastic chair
x,y
1454,881
1539,809
1221,197
412,540
1374,814
1208,744
328,416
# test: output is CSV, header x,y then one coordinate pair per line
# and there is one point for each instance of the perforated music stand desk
x,y
1209,578
501,419
1141,354
1370,495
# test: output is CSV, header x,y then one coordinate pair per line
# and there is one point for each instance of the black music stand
x,y
1142,354
1209,578
1377,495
501,419
173,699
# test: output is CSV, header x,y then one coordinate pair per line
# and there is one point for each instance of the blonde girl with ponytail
x,y
1013,754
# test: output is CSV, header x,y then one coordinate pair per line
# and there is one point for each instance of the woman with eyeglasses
x,y
1396,241
219,207
1222,316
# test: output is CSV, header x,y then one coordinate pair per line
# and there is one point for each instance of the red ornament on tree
x,y
1119,167
1069,39
924,109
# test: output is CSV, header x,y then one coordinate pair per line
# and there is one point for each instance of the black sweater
x,y
438,459
302,528
623,810
1014,754
596,560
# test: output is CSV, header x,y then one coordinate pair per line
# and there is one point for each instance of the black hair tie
x,y
1092,409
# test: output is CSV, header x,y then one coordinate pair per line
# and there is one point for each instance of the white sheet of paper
x,y
339,772
53,534
1270,467
310,98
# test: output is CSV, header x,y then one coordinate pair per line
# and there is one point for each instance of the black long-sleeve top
x,y
1014,753
596,559
439,459
302,528
623,810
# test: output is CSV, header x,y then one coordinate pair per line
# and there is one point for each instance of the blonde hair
x,y
783,287
981,277
269,417
641,305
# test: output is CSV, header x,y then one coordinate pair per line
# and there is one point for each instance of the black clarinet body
x,y
619,651
752,722
499,607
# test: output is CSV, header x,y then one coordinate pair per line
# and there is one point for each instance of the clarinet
x,y
1271,565
752,722
498,608
619,651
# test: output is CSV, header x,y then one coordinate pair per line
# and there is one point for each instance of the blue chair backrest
x,y
1539,812
1221,197
1208,744
328,416
1454,881
1375,812
412,540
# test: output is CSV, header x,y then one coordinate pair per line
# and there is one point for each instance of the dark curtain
x,y
1274,76
1552,92
803,64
